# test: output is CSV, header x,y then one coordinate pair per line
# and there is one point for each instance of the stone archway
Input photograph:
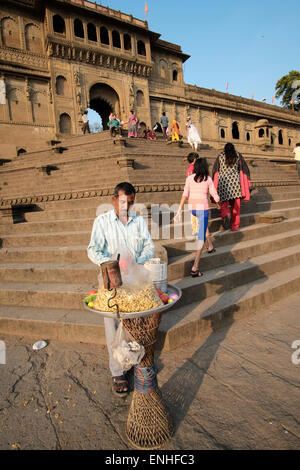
x,y
104,100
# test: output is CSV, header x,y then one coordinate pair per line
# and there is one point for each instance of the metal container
x,y
111,274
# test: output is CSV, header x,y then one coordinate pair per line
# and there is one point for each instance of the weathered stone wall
x,y
60,57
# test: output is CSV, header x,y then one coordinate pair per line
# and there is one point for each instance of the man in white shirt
x,y
296,152
114,232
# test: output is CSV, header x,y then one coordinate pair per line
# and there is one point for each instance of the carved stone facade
x,y
60,57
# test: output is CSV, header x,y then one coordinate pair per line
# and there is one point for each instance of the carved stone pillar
x,y
131,95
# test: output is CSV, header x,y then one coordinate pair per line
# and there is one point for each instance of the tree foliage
x,y
288,88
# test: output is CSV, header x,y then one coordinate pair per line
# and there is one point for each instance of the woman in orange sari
x,y
175,130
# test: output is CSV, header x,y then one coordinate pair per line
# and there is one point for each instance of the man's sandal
x,y
120,386
196,273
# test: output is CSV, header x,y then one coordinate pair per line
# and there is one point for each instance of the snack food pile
x,y
129,299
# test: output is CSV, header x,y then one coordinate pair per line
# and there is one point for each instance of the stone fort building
x,y
60,57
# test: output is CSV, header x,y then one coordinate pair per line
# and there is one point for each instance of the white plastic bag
x,y
125,350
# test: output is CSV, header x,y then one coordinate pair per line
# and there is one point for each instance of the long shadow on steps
x,y
183,386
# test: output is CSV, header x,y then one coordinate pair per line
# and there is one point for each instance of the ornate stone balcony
x,y
105,59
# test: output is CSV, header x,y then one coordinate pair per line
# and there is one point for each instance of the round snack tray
x,y
171,290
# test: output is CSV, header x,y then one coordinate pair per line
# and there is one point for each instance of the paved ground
x,y
235,389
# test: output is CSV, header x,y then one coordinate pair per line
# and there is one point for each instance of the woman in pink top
x,y
195,192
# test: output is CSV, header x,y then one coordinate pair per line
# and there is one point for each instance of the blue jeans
x,y
202,216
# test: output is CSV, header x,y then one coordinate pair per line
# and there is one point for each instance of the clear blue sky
x,y
250,44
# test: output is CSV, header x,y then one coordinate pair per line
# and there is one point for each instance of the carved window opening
x,y
104,38
141,49
235,131
10,33
140,99
127,42
59,24
272,139
65,123
116,39
222,134
290,142
33,38
92,33
20,151
175,75
280,138
61,85
261,133
248,136
78,28
267,132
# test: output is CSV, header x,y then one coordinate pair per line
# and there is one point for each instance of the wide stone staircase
x,y
44,269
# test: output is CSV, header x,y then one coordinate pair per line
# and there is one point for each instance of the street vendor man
x,y
112,230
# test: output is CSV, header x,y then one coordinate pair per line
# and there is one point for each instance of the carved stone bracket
x,y
125,162
6,214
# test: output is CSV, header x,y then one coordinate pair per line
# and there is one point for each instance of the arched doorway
x,y
104,100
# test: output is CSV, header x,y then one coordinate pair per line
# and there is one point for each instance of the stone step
x,y
65,325
49,295
61,225
288,191
36,184
61,184
175,247
178,247
179,326
44,254
180,266
99,166
79,153
69,273
156,198
92,153
73,273
41,184
48,227
187,323
90,212
47,239
166,231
